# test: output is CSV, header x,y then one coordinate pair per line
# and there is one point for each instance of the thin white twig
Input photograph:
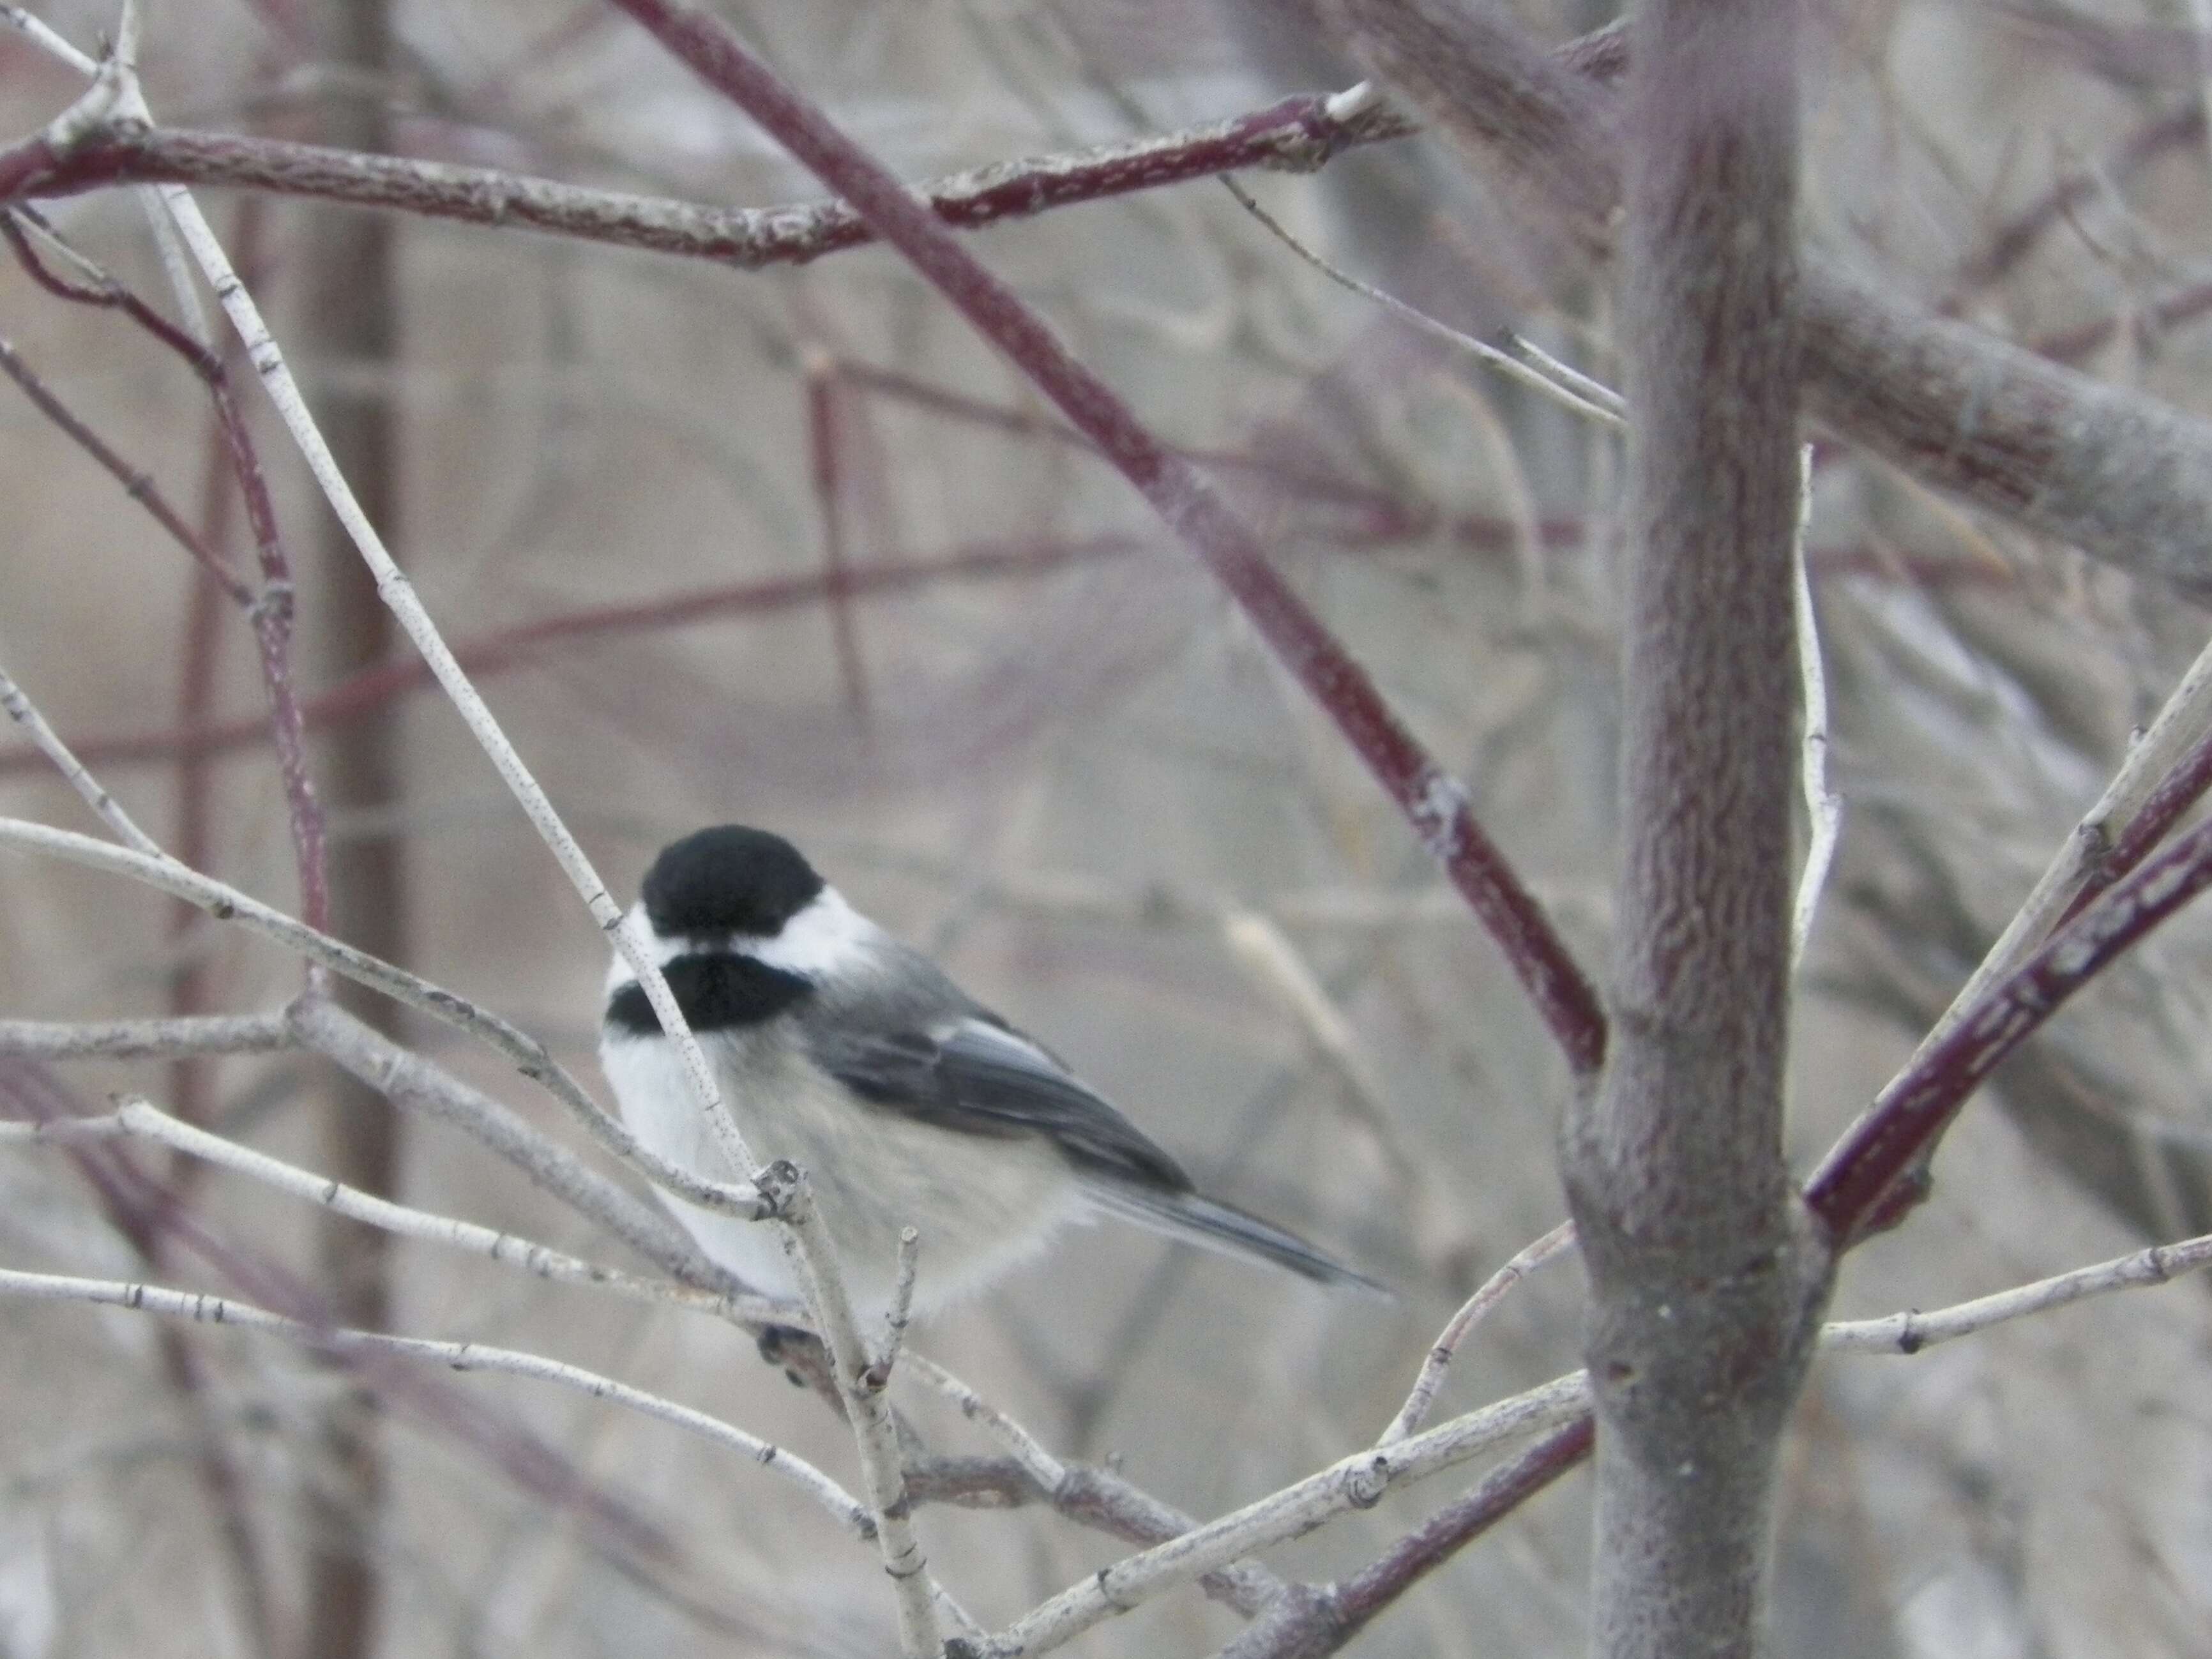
x,y
846,1509
878,1373
1909,1332
1040,1465
53,245
228,903
139,1118
875,1433
130,105
1355,1482
1585,397
41,35
25,713
1415,1411
146,1039
98,104
1824,808
1566,374
964,1622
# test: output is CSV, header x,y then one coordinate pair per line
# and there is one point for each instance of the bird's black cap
x,y
729,879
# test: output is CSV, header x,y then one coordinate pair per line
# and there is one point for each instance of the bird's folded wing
x,y
980,1078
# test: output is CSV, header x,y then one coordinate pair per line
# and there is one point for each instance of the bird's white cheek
x,y
827,938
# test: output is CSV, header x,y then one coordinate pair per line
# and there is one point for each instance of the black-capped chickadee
x,y
908,1103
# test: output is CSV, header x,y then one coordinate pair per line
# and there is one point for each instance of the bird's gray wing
x,y
971,1072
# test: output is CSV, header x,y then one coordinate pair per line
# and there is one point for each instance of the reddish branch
x,y
2180,790
1436,804
1429,1546
1297,134
1853,1182
138,485
27,164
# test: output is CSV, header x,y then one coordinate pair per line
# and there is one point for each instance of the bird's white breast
x,y
980,1203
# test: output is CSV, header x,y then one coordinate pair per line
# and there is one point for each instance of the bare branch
x,y
1323,1619
136,1118
1909,1332
2182,787
1488,1296
875,1433
2153,762
415,1084
1094,1497
109,811
1329,1616
2125,478
1496,1496
145,1039
23,164
1297,134
886,1357
1035,1461
1354,1482
42,35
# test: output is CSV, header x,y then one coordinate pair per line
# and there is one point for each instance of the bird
x,y
906,1101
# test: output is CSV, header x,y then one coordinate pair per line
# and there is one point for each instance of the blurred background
x,y
1026,731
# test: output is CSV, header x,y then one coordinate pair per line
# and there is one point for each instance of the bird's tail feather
x,y
1225,1228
